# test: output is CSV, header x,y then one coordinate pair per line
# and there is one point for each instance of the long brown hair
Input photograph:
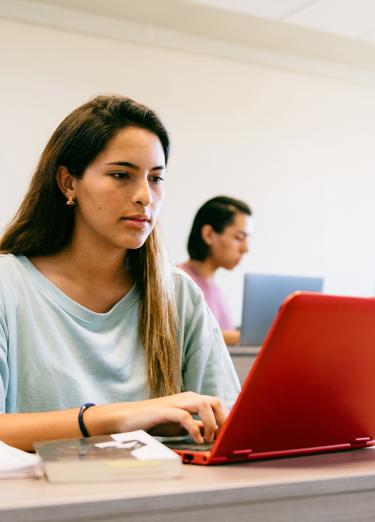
x,y
43,224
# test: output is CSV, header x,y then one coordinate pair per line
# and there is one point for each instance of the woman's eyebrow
x,y
124,164
133,166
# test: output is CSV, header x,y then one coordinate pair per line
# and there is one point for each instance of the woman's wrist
x,y
105,419
97,420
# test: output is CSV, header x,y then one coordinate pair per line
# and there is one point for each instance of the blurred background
x,y
270,101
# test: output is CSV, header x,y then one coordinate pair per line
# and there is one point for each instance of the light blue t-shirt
x,y
56,354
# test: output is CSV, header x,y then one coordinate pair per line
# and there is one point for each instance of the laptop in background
x,y
311,389
262,297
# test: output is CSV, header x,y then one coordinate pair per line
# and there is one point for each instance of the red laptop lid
x,y
312,386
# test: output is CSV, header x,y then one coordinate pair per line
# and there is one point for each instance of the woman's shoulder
x,y
11,278
185,289
182,280
8,262
12,271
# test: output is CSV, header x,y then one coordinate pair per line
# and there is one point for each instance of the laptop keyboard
x,y
193,446
185,443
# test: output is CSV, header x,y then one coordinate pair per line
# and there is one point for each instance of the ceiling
x,y
348,18
325,31
353,19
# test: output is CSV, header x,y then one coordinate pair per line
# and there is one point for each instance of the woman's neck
x,y
103,268
93,279
205,268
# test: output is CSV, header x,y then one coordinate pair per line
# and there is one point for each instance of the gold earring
x,y
70,201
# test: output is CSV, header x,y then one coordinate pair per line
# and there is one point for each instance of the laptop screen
x,y
262,297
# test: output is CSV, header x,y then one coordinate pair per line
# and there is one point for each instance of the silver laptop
x,y
263,294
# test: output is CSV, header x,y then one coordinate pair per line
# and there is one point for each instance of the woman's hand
x,y
165,415
174,412
231,337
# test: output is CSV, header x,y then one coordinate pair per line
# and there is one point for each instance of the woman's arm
x,y
22,429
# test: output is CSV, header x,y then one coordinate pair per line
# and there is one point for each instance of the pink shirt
x,y
213,296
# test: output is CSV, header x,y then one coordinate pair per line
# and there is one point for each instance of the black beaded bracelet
x,y
81,424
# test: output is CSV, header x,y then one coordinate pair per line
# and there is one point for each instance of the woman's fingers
x,y
179,409
213,415
184,419
209,409
207,416
221,412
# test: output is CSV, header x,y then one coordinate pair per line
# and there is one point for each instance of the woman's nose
x,y
245,246
142,194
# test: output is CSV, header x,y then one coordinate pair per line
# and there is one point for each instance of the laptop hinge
x,y
241,452
361,441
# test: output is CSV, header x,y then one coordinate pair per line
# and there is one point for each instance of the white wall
x,y
298,148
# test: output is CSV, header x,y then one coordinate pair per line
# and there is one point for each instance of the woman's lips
x,y
137,221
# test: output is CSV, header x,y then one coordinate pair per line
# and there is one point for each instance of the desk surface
x,y
244,350
329,487
243,357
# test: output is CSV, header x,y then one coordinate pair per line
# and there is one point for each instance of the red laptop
x,y
311,388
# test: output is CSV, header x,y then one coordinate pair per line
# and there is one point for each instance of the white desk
x,y
325,488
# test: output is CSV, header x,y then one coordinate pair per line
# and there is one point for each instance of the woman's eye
x,y
120,175
156,179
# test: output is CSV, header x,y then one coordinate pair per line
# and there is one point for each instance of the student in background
x,y
218,239
97,334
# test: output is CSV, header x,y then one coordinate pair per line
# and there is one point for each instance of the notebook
x,y
311,388
262,297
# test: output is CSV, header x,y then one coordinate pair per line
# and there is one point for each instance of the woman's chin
x,y
229,266
134,245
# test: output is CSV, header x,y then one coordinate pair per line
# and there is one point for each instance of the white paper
x,y
15,463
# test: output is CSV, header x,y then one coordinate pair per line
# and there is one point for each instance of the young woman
x,y
218,239
96,334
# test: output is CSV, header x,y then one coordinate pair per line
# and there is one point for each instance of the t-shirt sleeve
x,y
207,367
4,369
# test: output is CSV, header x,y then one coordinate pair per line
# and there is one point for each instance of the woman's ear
x,y
65,182
207,234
